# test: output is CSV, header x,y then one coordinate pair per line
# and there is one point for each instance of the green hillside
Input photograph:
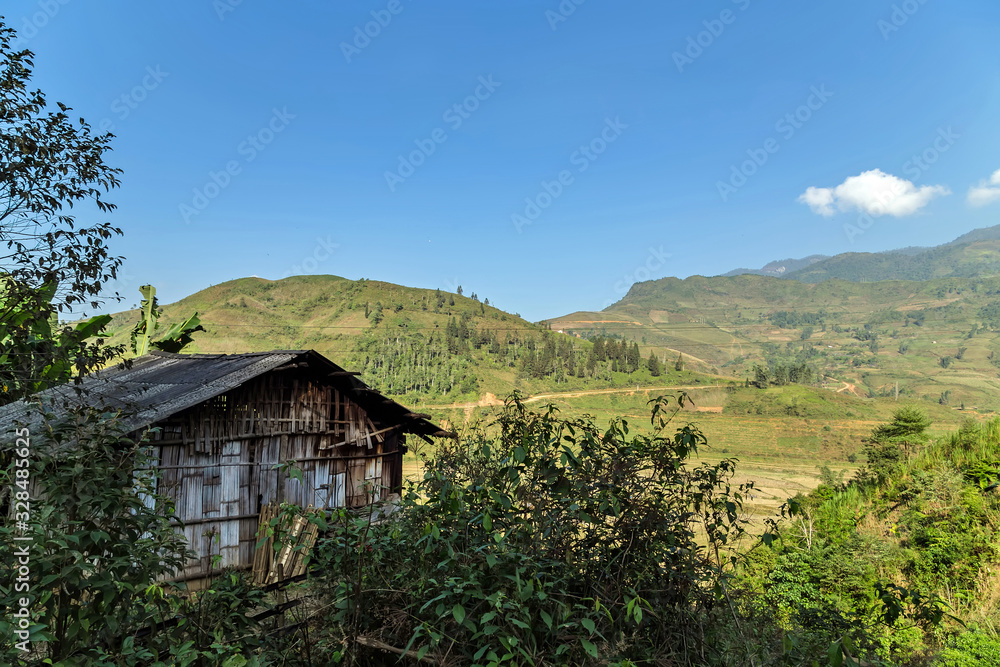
x,y
976,254
417,342
938,339
966,260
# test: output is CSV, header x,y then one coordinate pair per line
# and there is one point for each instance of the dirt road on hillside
x,y
849,387
489,399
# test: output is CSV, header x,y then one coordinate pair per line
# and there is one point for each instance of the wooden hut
x,y
227,426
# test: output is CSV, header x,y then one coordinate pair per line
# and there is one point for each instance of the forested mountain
x,y
406,340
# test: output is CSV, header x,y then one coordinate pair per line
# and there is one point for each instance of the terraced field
x,y
783,454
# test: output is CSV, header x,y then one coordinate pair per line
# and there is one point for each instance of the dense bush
x,y
971,649
548,542
896,557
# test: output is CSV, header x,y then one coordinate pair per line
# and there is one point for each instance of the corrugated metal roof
x,y
161,384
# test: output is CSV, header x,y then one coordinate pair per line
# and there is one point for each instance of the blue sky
x,y
586,151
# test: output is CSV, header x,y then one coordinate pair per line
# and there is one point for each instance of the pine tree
x,y
762,378
633,358
654,365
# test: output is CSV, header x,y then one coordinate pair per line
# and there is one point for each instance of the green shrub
x,y
971,649
546,541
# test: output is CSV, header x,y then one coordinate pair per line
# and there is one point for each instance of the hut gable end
x,y
279,403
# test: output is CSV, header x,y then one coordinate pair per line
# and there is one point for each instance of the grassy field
x,y
782,454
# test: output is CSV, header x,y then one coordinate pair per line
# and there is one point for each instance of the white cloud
x,y
873,192
986,192
820,200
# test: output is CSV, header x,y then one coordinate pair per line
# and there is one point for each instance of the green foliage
x,y
35,354
890,445
899,557
793,401
51,165
98,544
50,263
797,319
780,375
546,541
655,369
971,649
179,336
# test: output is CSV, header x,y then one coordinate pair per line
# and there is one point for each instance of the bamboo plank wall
x,y
220,462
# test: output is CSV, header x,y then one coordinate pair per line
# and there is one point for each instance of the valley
x,y
457,358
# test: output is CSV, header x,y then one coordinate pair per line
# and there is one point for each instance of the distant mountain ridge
x,y
975,254
779,268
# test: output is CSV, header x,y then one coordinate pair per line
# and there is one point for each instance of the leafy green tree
x,y
36,354
52,263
